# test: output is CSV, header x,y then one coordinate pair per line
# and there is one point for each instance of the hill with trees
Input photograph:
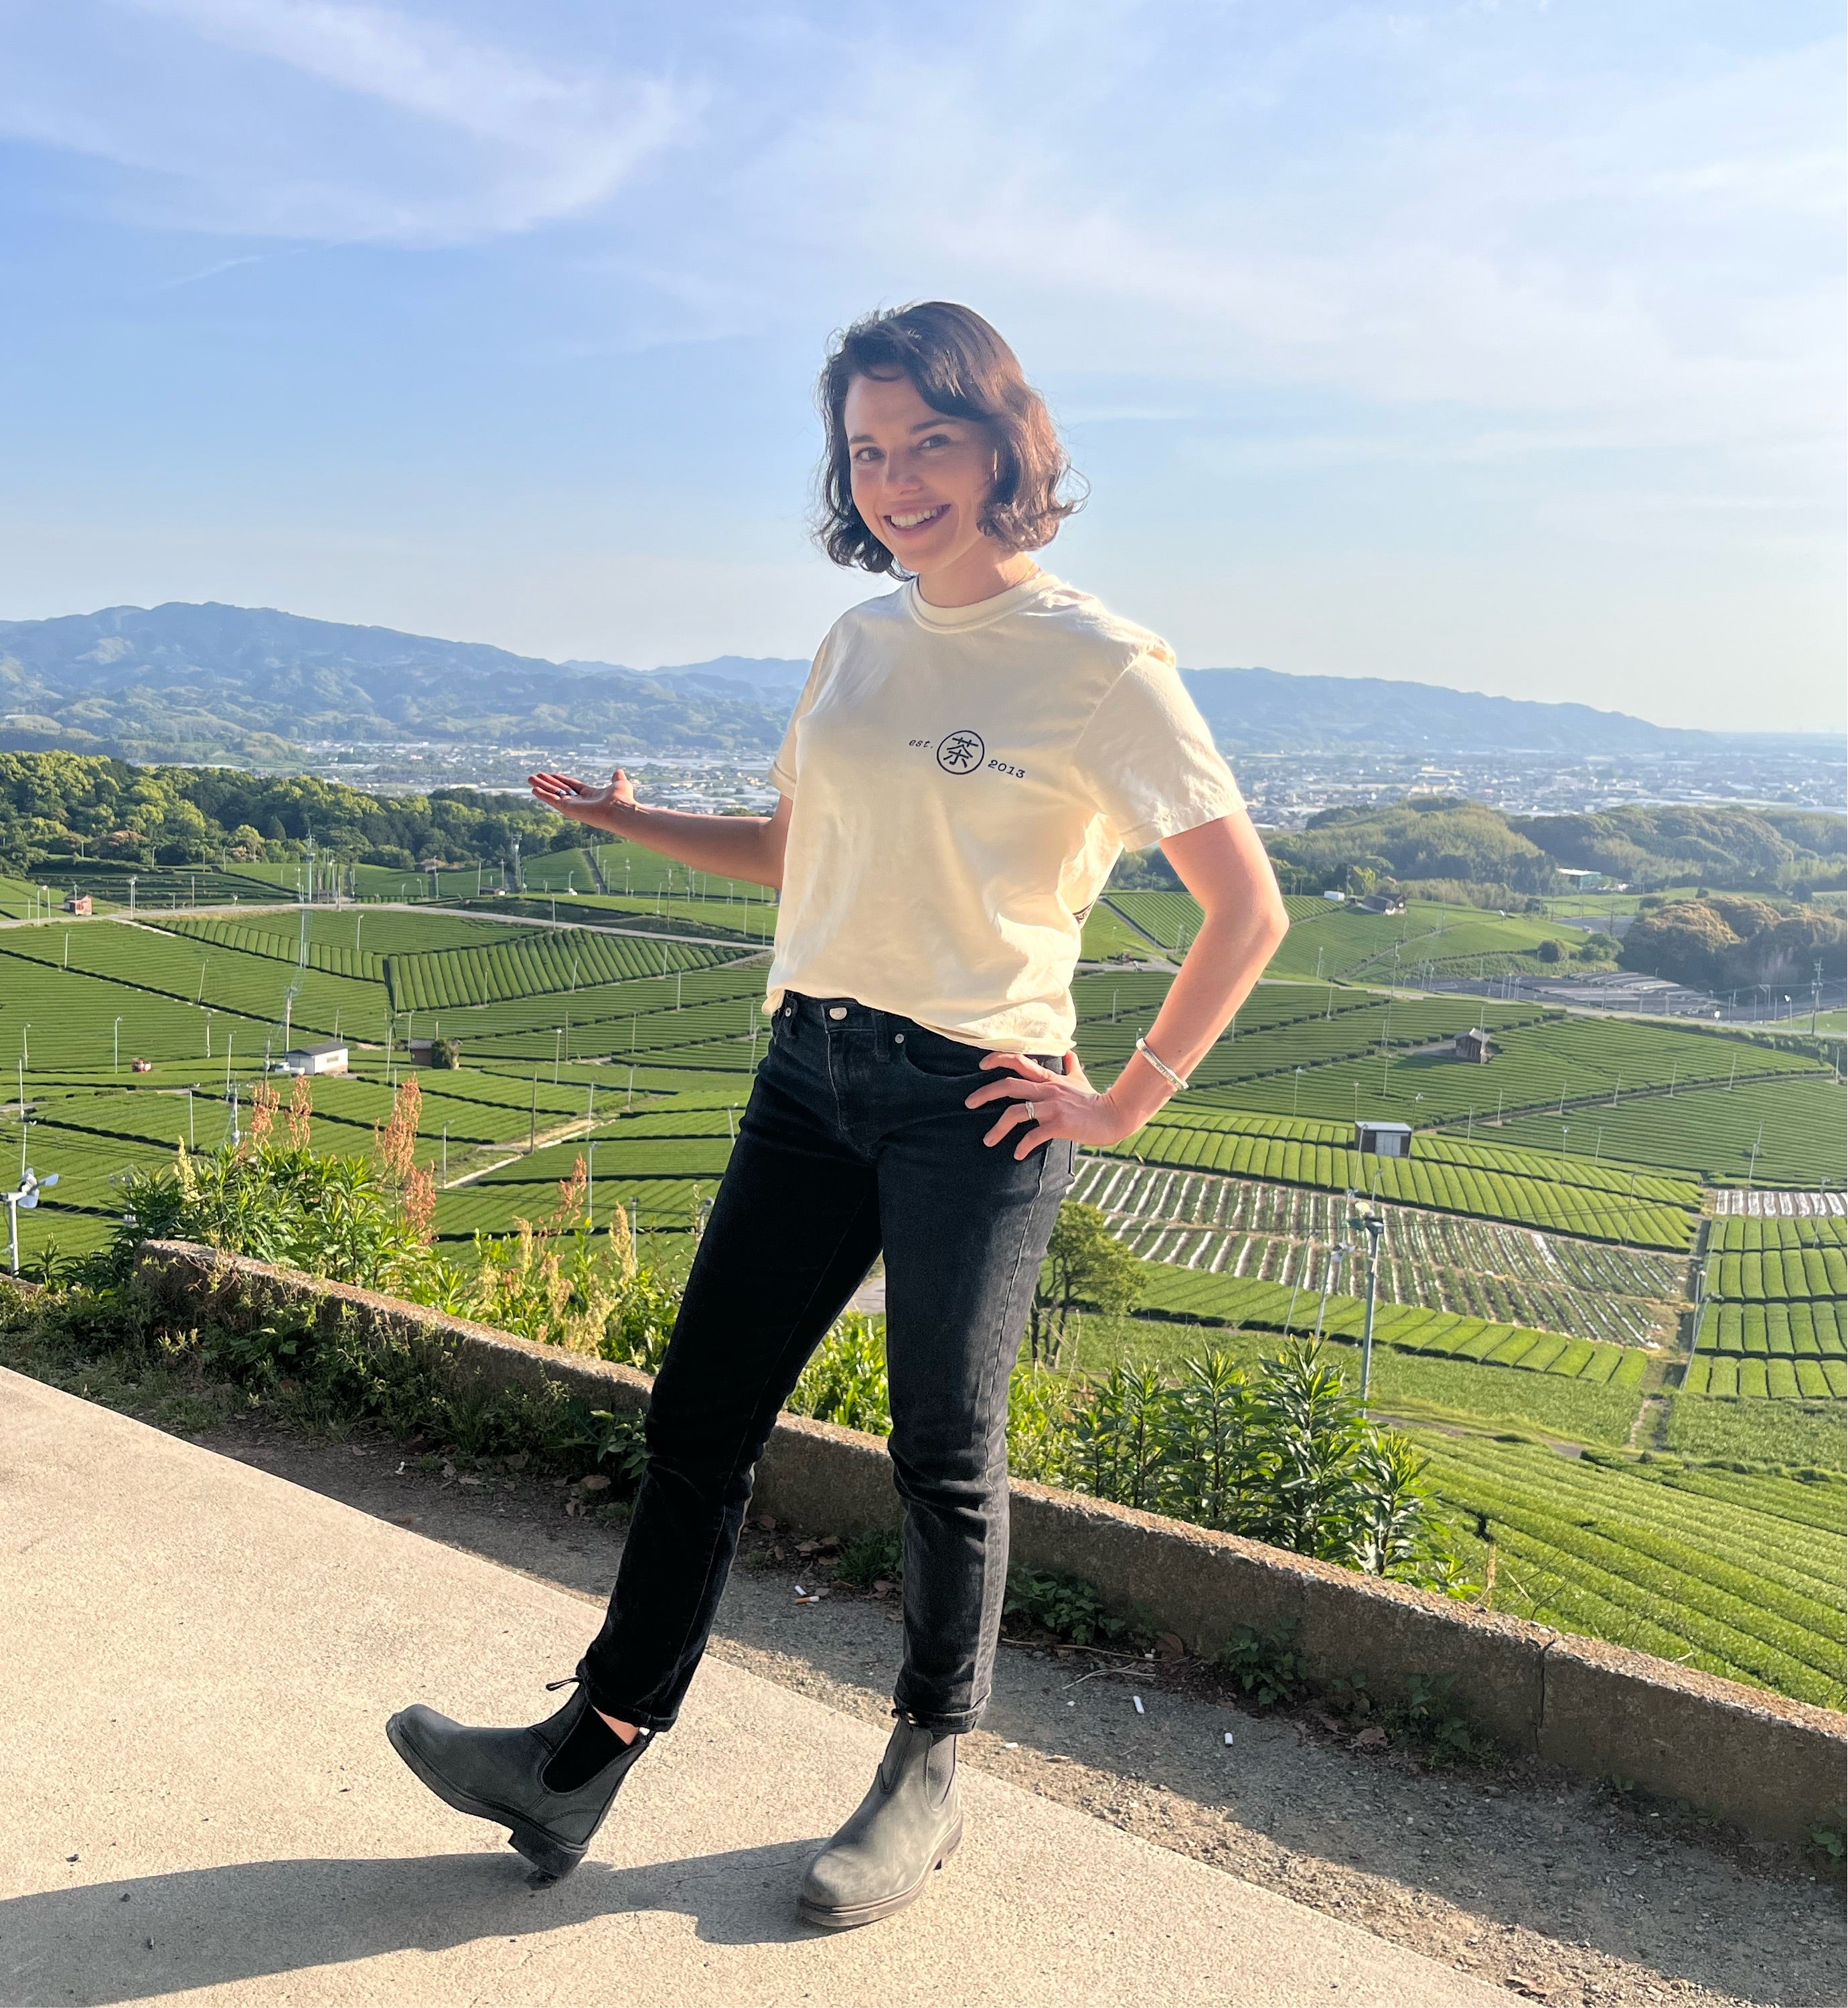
x,y
1430,838
1720,943
72,808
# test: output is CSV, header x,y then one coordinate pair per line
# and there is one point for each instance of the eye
x,y
936,439
864,456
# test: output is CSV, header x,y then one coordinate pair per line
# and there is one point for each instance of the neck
x,y
978,574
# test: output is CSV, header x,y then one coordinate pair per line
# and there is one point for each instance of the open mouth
x,y
917,519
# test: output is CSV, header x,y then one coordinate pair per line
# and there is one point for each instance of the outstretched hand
x,y
579,800
1042,1104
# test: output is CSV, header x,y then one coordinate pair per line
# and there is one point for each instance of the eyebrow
x,y
923,426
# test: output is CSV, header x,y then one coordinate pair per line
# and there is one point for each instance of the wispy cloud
x,y
319,119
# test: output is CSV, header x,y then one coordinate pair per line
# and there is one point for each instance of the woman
x,y
969,758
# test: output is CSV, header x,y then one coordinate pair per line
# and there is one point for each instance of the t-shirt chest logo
x,y
965,751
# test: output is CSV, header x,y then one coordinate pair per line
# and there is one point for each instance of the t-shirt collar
x,y
950,619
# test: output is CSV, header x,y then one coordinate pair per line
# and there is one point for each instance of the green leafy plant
x,y
262,1354
620,1442
866,1559
845,1380
1266,1665
1067,1607
1431,1717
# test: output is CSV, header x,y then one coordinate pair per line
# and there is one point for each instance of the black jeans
x,y
856,1139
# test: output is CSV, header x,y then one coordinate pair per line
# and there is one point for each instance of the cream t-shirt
x,y
962,779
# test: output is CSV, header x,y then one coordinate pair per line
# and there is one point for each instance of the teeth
x,y
916,516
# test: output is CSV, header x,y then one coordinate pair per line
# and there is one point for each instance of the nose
x,y
895,476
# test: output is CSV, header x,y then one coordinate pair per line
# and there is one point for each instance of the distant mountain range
x,y
184,682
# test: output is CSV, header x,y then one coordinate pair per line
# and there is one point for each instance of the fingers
x,y
994,1090
1019,1069
1029,1069
1011,1118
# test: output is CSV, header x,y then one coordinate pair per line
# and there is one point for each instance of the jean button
x,y
897,1038
837,1011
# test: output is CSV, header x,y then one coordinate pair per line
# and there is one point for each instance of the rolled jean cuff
x,y
941,1722
608,1701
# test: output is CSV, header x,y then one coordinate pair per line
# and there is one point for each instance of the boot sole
x,y
849,1917
550,1856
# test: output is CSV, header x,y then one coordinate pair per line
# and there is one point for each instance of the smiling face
x,y
920,482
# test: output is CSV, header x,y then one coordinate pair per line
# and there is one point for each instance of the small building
x,y
1383,1140
1581,880
320,1056
419,1051
1335,899
1475,1046
77,903
1382,902
141,1066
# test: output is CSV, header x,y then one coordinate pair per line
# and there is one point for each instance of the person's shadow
x,y
211,1926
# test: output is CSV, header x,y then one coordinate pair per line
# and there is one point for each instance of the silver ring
x,y
1033,1111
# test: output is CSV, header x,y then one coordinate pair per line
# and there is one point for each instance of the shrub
x,y
1266,1664
1067,1607
845,1379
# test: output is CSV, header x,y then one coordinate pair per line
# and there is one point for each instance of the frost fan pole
x,y
1375,1224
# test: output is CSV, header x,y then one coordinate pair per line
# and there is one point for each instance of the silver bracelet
x,y
1160,1067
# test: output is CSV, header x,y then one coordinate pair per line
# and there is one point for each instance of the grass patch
x,y
1803,1435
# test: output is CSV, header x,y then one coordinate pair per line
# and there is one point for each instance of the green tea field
x,y
1538,1277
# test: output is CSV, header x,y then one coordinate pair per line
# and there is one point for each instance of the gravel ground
x,y
1561,1891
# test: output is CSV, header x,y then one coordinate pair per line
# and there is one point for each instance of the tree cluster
x,y
1725,942
55,806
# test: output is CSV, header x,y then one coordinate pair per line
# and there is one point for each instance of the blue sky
x,y
1490,344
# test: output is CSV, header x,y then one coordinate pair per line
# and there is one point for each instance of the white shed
x,y
1383,1140
321,1056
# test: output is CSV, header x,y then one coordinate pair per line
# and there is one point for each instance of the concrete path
x,y
196,1661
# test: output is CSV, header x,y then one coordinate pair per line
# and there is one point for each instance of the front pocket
x,y
943,1059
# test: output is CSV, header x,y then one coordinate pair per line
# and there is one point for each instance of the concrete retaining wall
x,y
1773,1765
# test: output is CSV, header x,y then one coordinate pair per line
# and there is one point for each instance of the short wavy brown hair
x,y
961,367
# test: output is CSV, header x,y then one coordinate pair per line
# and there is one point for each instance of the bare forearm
x,y
1221,969
748,847
1224,866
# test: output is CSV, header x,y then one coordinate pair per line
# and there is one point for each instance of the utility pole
x,y
1375,1226
1330,1275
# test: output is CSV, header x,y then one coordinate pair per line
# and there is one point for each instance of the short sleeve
x,y
783,768
1148,758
